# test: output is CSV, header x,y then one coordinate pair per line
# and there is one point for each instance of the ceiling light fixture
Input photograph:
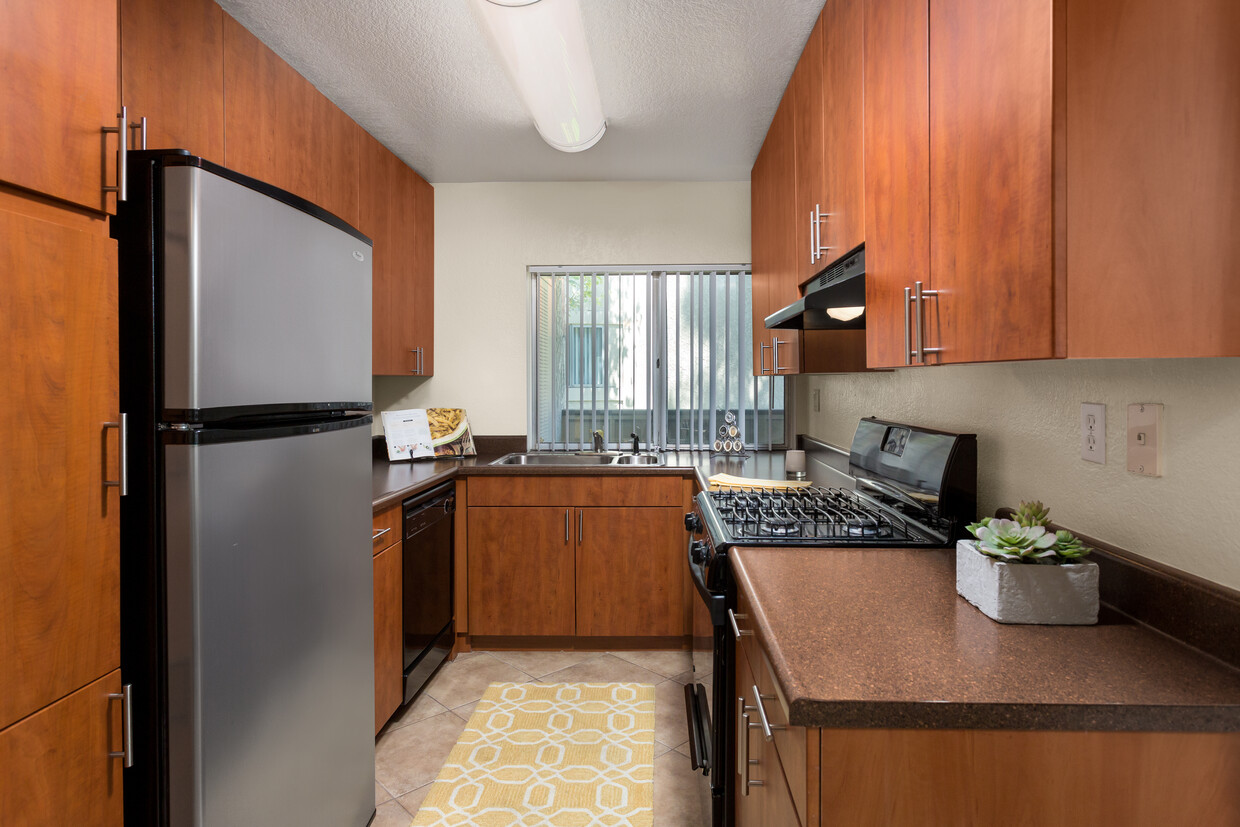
x,y
542,44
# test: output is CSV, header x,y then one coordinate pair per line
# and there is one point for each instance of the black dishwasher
x,y
427,559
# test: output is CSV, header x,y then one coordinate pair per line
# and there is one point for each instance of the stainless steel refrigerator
x,y
246,590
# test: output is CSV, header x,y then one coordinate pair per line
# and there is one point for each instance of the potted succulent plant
x,y
1018,571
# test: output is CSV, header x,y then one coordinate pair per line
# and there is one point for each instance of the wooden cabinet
x,y
282,130
1153,178
811,204
521,571
841,102
59,541
56,767
576,556
398,213
775,275
762,797
630,572
389,618
172,73
59,63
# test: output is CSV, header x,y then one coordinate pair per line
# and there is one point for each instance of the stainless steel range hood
x,y
835,300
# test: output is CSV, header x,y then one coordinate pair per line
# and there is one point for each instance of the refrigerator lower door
x,y
270,630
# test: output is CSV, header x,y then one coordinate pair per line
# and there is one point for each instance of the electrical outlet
x,y
1145,439
1094,432
816,396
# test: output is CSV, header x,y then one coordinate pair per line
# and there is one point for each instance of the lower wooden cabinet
x,y
576,556
762,790
57,769
388,643
521,571
630,572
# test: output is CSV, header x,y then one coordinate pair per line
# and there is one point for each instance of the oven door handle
x,y
716,603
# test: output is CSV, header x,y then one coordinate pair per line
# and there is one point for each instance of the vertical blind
x,y
661,352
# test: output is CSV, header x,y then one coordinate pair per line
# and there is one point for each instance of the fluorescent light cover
x,y
845,314
542,44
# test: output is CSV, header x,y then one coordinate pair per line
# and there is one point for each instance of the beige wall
x,y
1027,418
487,234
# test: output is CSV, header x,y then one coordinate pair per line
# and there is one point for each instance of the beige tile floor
x,y
412,748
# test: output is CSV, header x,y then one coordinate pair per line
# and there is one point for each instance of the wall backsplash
x,y
486,235
1027,418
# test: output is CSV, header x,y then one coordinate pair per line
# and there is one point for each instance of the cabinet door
x,y
59,535
810,185
388,644
59,63
1153,178
280,129
421,263
630,571
172,73
747,801
841,101
521,571
897,170
775,274
991,182
764,239
56,764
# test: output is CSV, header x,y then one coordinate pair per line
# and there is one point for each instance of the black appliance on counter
x,y
905,487
426,582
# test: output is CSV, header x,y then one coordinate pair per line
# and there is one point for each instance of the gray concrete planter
x,y
1026,593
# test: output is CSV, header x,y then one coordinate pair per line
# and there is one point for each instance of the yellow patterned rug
x,y
564,754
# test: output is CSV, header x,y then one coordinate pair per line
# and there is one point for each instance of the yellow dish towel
x,y
719,481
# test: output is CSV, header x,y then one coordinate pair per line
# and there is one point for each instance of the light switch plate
x,y
1094,432
1145,439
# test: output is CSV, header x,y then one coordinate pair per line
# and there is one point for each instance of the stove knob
x,y
699,552
693,523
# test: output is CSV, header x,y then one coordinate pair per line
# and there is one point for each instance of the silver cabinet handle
x,y
567,511
813,240
775,356
140,128
421,362
417,361
736,629
380,533
580,519
122,428
919,295
765,724
908,344
763,348
819,218
126,698
122,155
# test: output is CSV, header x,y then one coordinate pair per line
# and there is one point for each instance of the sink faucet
x,y
598,442
634,438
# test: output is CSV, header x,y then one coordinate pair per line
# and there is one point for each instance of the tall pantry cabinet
x,y
61,738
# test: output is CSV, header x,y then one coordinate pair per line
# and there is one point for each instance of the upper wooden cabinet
x,y
59,63
282,130
172,73
1153,178
60,538
844,227
398,213
805,91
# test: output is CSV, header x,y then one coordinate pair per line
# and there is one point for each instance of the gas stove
x,y
809,517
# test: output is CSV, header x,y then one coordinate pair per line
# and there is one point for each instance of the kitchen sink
x,y
580,459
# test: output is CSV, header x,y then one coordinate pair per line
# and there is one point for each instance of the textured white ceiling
x,y
689,86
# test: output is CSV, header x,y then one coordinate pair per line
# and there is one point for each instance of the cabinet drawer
x,y
576,491
386,529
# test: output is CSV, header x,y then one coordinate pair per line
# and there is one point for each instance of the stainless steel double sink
x,y
584,459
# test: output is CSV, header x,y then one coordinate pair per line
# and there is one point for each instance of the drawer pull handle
x,y
380,533
737,630
765,724
125,696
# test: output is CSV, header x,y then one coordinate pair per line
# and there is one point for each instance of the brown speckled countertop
x,y
879,638
394,481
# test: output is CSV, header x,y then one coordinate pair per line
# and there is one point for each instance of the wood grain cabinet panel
x,y
59,535
172,73
59,63
280,129
521,571
1153,187
841,101
630,572
618,491
810,192
56,764
389,651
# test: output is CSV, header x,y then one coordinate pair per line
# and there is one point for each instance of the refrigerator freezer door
x,y
264,305
270,631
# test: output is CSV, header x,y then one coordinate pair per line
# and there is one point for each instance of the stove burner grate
x,y
819,514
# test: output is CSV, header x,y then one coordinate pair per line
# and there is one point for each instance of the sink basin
x,y
582,459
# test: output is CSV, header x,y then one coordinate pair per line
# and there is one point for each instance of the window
x,y
660,352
